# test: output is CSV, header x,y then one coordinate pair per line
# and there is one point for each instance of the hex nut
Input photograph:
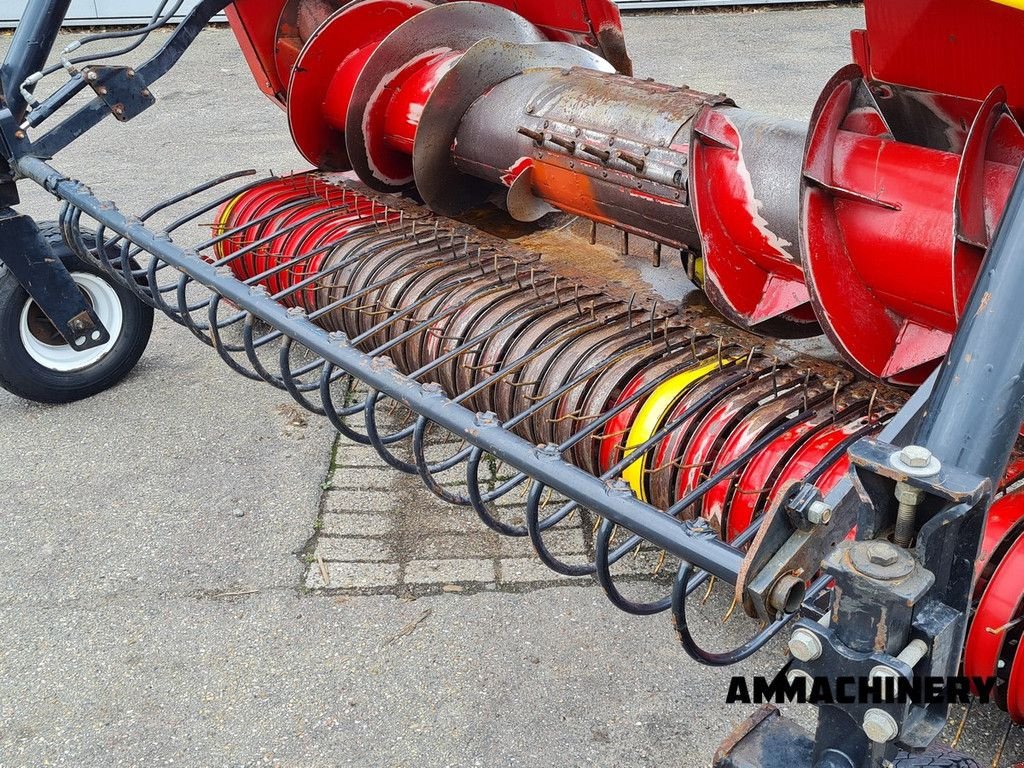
x,y
880,726
916,456
882,553
819,513
805,645
908,494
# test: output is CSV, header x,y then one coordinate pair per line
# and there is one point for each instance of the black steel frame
x,y
969,421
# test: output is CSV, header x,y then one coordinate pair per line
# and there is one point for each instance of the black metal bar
x,y
45,278
92,113
677,537
33,40
975,412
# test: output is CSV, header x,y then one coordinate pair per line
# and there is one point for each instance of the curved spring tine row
x,y
625,391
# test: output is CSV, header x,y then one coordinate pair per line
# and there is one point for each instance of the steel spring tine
x,y
678,604
603,559
547,399
186,312
837,453
724,387
272,379
607,416
296,390
380,444
428,471
508,368
535,528
284,231
597,424
734,381
356,255
451,354
377,285
352,259
334,415
333,268
756,447
425,325
222,349
194,214
478,501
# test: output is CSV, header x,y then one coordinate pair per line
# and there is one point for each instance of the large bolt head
x,y
805,645
916,456
883,553
880,726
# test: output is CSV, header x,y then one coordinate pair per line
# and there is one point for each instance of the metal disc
x,y
343,34
521,203
443,187
453,26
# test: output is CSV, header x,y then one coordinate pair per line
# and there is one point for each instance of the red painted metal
x,y
960,47
1000,604
1002,516
391,119
888,267
753,274
326,72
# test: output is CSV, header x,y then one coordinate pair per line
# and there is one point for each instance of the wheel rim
x,y
45,346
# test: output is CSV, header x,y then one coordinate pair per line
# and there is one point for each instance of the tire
x,y
935,757
36,364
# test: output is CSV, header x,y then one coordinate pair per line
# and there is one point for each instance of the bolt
x,y
819,513
805,645
882,553
91,76
799,677
880,726
911,656
916,456
906,516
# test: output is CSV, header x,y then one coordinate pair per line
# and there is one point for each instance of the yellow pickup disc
x,y
1018,4
221,225
652,415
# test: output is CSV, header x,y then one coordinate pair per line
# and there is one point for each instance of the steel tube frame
x,y
33,40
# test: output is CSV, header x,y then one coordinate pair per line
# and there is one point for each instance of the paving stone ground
x,y
382,532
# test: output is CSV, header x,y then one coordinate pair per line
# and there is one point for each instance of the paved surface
x,y
179,588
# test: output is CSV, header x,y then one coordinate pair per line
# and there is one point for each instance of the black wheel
x,y
36,363
935,757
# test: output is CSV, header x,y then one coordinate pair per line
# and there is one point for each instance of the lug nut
x,y
805,645
880,726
